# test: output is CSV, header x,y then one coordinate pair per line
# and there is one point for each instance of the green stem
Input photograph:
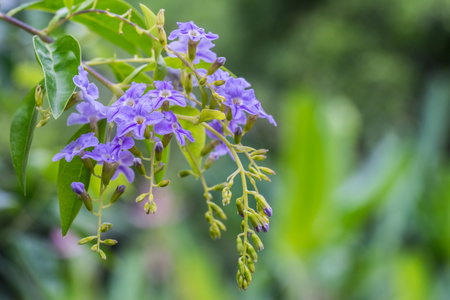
x,y
100,207
125,60
152,159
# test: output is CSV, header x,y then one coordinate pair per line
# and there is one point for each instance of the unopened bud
x,y
163,183
102,254
202,80
187,84
192,49
255,222
158,151
117,193
265,227
108,171
240,207
43,121
74,98
158,168
267,170
166,139
229,115
184,173
209,147
251,251
219,82
257,241
259,157
141,197
263,203
209,161
105,227
219,212
208,217
86,240
219,187
238,135
241,266
88,164
251,265
264,177
135,151
260,152
160,20
94,248
38,95
250,122
239,245
220,61
110,242
221,225
248,274
214,231
147,133
137,163
162,36
150,207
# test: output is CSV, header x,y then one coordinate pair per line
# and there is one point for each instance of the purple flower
x,y
136,119
130,98
238,98
89,90
77,147
164,91
218,75
203,49
264,115
125,161
170,124
103,153
88,113
121,143
195,33
78,188
222,148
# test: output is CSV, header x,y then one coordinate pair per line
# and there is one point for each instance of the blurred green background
x,y
360,91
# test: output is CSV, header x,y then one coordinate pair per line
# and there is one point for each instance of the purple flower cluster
x,y
132,113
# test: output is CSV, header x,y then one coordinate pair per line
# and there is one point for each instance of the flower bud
x,y
219,82
94,248
208,217
209,147
214,231
209,161
163,183
74,98
240,280
147,133
105,227
160,20
120,189
260,152
264,177
43,121
220,61
141,197
86,240
108,171
166,139
102,254
265,227
239,245
250,122
221,225
264,205
255,222
78,188
251,265
259,157
184,173
248,275
192,49
219,212
187,84
229,115
137,163
267,170
251,251
38,95
110,242
162,36
202,80
158,168
135,151
158,151
219,187
240,207
257,241
241,266
150,207
238,135
88,164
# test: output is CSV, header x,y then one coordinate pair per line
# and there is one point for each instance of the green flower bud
x,y
166,139
185,173
38,95
102,254
158,168
158,151
240,207
163,183
238,135
267,170
264,177
110,242
209,218
74,98
86,240
230,115
219,187
135,151
108,171
209,162
251,251
220,61
202,80
141,197
137,163
160,20
245,284
219,82
88,164
250,122
147,208
251,265
248,274
219,212
94,248
260,152
88,203
214,231
187,84
105,227
257,241
147,133
192,49
162,36
150,208
241,266
239,246
209,147
120,189
259,157
221,225
240,280
43,121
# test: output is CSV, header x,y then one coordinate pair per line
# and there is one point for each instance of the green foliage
x,y
21,135
59,61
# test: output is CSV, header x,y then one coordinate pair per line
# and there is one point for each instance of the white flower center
x,y
165,93
129,102
174,126
237,101
139,120
194,33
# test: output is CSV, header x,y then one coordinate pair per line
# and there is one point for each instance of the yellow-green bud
x,y
158,168
135,151
137,163
267,170
163,183
43,121
219,212
259,157
251,265
260,152
219,82
94,248
257,241
251,251
110,242
162,36
187,84
239,245
221,225
248,275
38,95
184,173
160,20
240,207
117,193
241,266
202,81
105,227
219,187
214,231
208,217
141,197
86,240
102,254
250,122
220,61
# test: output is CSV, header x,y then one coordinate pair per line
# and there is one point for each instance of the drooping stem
x,y
26,27
100,207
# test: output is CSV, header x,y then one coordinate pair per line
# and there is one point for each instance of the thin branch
x,y
26,27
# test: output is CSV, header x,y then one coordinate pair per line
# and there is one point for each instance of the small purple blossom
x,y
88,113
77,147
136,119
238,99
78,188
130,98
103,153
125,161
218,75
165,91
222,148
268,211
89,90
195,33
121,143
203,49
170,124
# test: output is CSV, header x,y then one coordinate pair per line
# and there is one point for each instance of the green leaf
x,y
198,132
211,114
108,27
149,15
59,62
160,70
68,4
123,70
69,204
21,134
165,158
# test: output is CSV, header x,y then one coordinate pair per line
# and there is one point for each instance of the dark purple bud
x,y
258,228
238,135
220,61
78,188
265,227
268,211
158,151
117,193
